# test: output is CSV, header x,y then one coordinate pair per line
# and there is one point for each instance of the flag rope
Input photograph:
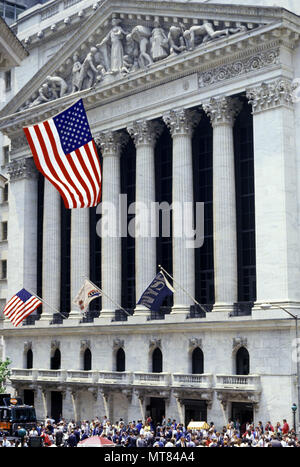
x,y
175,282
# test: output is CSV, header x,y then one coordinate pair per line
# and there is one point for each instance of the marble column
x,y
181,123
51,251
107,395
276,200
22,226
145,134
80,254
222,112
111,267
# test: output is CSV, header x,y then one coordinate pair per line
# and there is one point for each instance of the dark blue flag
x,y
155,294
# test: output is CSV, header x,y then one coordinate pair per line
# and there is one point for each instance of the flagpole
x,y
115,303
194,300
44,301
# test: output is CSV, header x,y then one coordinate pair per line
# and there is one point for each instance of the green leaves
x,y
4,374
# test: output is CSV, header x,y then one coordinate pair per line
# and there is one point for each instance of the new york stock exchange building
x,y
188,102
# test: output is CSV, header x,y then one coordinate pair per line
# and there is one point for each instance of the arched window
x,y
197,361
120,360
55,360
242,362
157,361
29,359
87,360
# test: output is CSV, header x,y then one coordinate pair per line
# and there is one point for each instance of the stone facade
x,y
160,68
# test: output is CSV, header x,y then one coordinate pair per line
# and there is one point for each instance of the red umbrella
x,y
96,442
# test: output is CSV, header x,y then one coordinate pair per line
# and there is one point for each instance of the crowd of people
x,y
166,434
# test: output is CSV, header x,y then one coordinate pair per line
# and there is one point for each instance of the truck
x,y
15,414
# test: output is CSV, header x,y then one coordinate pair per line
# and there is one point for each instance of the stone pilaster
x,y
145,134
22,226
51,251
181,123
111,145
275,172
222,113
80,254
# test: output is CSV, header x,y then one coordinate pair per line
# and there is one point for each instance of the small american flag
x,y
20,306
65,153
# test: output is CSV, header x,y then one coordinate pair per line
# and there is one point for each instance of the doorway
x,y
28,397
242,413
195,410
157,409
56,405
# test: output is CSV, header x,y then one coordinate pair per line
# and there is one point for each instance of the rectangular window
x,y
7,78
5,193
3,269
4,231
5,155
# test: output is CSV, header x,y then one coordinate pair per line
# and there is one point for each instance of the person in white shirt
x,y
33,432
6,443
169,444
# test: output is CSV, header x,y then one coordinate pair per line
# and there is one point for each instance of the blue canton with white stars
x,y
73,127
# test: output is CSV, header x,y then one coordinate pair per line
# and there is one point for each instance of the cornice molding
x,y
12,46
199,61
98,25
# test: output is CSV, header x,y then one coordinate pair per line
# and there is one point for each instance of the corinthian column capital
x,y
273,94
145,132
111,142
223,110
22,168
181,121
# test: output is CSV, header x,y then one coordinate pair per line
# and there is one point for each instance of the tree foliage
x,y
4,374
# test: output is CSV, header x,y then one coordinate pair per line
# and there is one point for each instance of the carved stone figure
x,y
132,52
159,43
141,35
76,73
88,70
114,39
100,72
205,31
176,40
58,86
45,95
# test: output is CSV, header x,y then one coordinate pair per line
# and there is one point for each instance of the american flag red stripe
x,y
75,174
20,306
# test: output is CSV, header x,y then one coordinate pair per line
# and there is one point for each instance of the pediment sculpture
x,y
124,50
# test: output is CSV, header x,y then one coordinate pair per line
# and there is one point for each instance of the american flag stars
x,y
73,127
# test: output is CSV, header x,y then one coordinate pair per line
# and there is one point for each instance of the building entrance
x,y
56,405
157,408
242,413
195,411
28,397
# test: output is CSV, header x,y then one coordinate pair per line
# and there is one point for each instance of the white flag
x,y
86,294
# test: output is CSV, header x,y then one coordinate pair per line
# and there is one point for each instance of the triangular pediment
x,y
123,40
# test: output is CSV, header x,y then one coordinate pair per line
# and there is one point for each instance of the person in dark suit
x,y
59,437
181,443
72,440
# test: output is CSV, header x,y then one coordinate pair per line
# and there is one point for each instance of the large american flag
x,y
20,306
65,153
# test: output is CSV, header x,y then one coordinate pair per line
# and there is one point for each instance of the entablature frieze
x,y
227,49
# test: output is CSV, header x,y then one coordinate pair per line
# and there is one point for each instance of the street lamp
x,y
267,306
294,408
